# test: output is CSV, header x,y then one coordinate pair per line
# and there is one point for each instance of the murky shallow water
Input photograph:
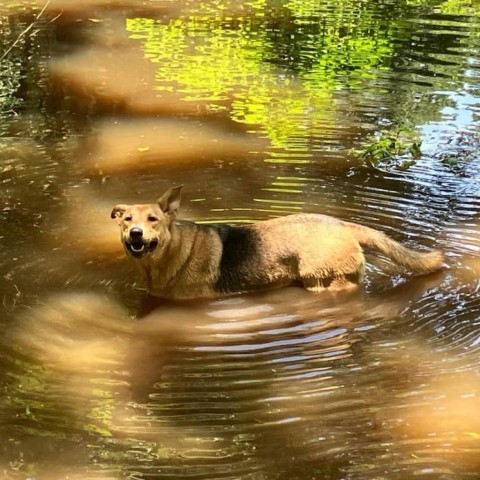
x,y
257,108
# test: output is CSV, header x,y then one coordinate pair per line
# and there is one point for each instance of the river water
x,y
260,108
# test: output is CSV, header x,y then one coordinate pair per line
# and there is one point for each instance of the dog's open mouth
x,y
139,248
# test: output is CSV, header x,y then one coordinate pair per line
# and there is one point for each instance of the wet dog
x,y
183,260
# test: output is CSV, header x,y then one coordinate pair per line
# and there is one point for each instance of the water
x,y
258,108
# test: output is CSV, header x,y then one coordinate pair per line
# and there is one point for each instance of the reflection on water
x,y
218,388
256,107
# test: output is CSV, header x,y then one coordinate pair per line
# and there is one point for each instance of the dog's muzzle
x,y
137,245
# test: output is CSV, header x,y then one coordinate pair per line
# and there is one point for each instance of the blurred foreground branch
x,y
12,46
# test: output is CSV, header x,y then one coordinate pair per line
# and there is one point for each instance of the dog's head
x,y
145,228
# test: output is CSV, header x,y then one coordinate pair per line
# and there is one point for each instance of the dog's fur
x,y
183,260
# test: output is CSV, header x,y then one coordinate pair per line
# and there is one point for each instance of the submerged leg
x,y
332,283
316,284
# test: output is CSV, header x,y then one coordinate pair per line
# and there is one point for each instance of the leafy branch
x,y
388,146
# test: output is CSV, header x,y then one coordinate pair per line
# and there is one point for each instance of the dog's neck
x,y
177,264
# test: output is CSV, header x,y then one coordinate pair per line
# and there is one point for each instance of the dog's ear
x,y
169,202
118,211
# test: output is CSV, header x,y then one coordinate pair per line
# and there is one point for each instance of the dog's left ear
x,y
169,202
118,211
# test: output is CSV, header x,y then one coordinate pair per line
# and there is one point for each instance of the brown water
x,y
257,108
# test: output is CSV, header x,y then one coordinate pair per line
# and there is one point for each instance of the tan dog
x,y
183,260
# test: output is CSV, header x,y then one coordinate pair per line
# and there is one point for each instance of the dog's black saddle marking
x,y
239,257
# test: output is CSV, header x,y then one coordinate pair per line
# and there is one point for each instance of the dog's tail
x,y
416,262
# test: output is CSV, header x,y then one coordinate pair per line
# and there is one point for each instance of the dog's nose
x,y
136,233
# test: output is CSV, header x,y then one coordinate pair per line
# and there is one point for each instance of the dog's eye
x,y
152,218
128,218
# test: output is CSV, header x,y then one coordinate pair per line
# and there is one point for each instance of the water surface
x,y
259,109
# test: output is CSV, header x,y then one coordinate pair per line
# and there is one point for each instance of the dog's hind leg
x,y
345,282
333,269
342,282
316,285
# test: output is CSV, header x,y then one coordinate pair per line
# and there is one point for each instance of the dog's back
x,y
300,248
318,251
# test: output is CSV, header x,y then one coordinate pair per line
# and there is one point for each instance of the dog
x,y
181,259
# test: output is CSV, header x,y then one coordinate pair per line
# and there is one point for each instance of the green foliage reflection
x,y
460,7
239,64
